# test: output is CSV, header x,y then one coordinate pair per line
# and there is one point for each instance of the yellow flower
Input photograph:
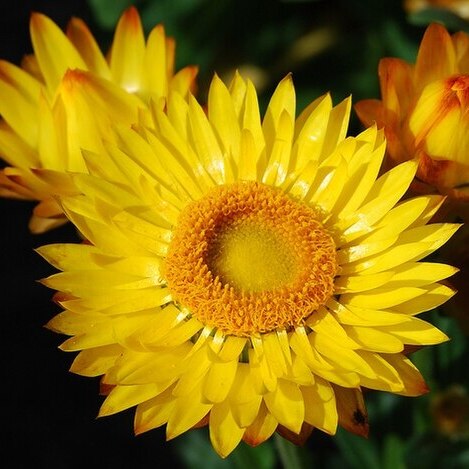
x,y
37,130
424,111
250,275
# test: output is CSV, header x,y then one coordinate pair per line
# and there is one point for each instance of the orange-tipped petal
x,y
84,42
54,51
436,58
128,51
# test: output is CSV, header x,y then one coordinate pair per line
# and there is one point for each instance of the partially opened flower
x,y
250,276
38,130
424,111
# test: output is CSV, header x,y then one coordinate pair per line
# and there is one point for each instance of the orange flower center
x,y
247,259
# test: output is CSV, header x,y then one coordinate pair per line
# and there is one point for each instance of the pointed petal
x,y
261,429
352,411
128,51
54,51
225,433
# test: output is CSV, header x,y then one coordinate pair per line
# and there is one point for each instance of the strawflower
x,y
38,131
424,110
250,275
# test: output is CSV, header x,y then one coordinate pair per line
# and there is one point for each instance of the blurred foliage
x,y
328,46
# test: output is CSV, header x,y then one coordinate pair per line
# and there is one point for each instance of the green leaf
x,y
107,12
195,451
358,452
393,452
439,15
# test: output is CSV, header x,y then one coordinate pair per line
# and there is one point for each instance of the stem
x,y
288,452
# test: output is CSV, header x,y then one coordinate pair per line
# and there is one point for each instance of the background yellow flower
x,y
40,131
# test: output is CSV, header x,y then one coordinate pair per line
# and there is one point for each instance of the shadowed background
x,y
48,414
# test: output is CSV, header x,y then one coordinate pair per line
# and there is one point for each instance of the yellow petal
x,y
71,323
223,117
414,384
219,380
124,397
361,283
246,412
416,332
147,367
322,322
15,150
344,359
282,100
155,74
54,51
304,180
361,175
337,126
374,340
434,296
250,119
195,368
128,51
273,354
421,273
225,433
154,412
381,298
262,427
187,412
182,163
69,256
384,194
19,112
320,405
205,144
96,361
328,185
84,42
286,404
355,316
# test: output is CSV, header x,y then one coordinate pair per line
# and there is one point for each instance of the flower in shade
x,y
250,275
37,132
424,111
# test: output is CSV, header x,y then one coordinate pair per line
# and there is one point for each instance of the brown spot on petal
x,y
359,418
352,411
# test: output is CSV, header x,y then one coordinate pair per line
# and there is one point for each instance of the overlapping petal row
x,y
38,128
154,353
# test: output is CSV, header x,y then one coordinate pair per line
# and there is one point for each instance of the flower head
x,y
39,130
248,275
424,110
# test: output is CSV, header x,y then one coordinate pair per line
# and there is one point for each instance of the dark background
x,y
48,415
